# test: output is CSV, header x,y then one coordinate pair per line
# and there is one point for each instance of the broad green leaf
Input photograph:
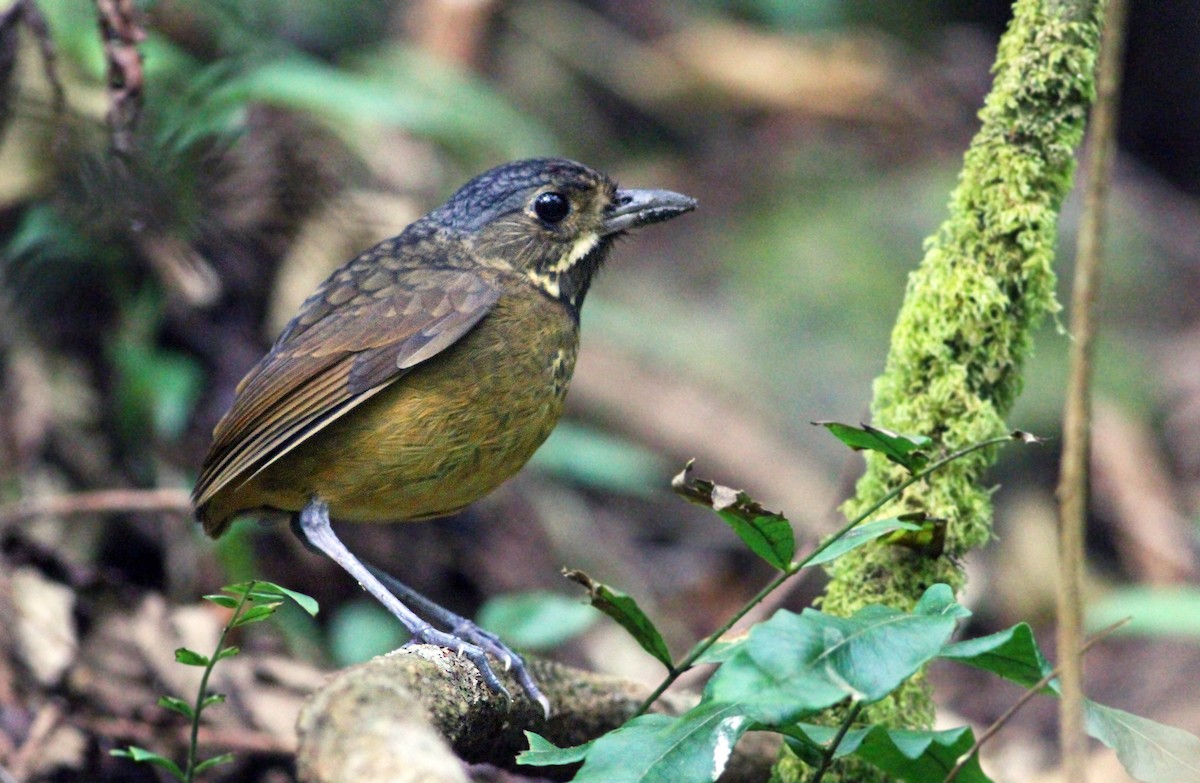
x,y
1155,611
908,451
224,758
795,664
693,748
536,620
272,590
144,756
914,756
544,753
1012,654
768,533
255,614
626,612
864,534
176,705
190,657
1149,751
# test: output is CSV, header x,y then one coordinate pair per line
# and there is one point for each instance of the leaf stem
x,y
827,756
796,566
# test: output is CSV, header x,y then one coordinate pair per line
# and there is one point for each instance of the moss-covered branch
x,y
964,332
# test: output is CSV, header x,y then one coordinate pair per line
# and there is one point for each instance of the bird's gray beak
x,y
634,208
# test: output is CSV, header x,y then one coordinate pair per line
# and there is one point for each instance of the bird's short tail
x,y
216,514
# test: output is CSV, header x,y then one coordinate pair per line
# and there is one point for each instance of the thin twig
x,y
1036,688
126,79
1072,487
105,501
827,756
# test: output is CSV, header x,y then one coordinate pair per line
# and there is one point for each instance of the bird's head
x,y
553,219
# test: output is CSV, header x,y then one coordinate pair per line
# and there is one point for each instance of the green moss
x,y
964,331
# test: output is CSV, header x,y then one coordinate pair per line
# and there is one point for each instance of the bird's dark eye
x,y
551,207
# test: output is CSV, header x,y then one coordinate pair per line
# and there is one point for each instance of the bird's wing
x,y
365,327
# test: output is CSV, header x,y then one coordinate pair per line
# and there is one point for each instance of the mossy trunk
x,y
964,331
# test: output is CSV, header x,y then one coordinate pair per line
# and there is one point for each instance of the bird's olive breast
x,y
448,431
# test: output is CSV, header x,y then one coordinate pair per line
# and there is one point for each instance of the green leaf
x,y
544,753
767,533
724,648
222,600
255,614
866,533
1155,611
227,652
907,451
272,590
1012,654
626,612
224,758
914,756
536,620
656,748
142,755
793,665
211,699
176,705
1149,751
190,657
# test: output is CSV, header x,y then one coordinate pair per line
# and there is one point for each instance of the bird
x,y
424,373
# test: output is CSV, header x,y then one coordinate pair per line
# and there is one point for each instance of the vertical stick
x,y
1072,487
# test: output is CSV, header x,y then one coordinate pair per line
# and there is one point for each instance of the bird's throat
x,y
569,278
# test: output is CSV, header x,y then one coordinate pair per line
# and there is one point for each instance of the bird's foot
x,y
475,644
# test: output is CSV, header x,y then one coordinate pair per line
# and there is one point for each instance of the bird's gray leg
x,y
312,526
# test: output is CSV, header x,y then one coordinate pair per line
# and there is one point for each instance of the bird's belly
x,y
438,439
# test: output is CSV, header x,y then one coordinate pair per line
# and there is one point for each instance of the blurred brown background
x,y
280,137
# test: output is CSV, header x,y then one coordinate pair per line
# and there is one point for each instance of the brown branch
x,y
414,714
126,79
1072,487
105,501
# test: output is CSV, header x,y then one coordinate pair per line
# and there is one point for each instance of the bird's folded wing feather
x,y
354,337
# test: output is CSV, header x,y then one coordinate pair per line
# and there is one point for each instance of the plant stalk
x,y
1072,486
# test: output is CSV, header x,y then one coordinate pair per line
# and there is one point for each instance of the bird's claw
x,y
475,644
